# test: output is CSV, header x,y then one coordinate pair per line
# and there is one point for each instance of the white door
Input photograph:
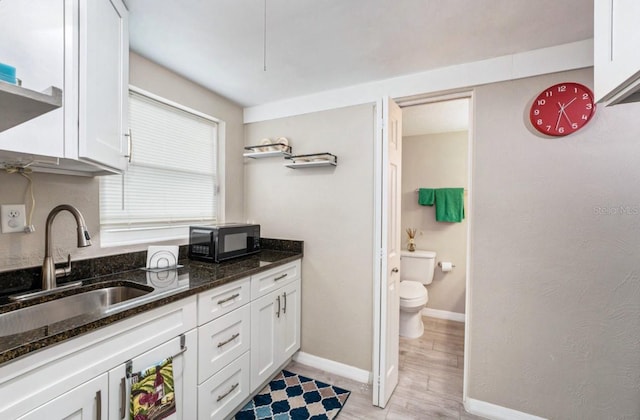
x,y
265,313
85,402
290,319
387,313
103,91
184,378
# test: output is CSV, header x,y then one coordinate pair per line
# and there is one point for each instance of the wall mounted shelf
x,y
312,160
268,150
19,105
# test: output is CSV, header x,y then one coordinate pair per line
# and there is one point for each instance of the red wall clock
x,y
562,109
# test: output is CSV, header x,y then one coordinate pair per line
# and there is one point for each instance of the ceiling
x,y
435,117
318,45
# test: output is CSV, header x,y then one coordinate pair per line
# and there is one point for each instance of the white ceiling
x,y
316,45
437,117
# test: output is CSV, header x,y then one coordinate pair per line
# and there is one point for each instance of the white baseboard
x,y
496,412
437,313
336,368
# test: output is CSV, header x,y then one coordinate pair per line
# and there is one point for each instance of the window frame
x,y
176,233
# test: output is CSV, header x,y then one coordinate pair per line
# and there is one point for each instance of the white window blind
x,y
171,179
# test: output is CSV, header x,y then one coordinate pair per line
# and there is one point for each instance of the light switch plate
x,y
12,217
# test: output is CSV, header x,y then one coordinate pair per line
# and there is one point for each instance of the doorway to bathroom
x,y
437,151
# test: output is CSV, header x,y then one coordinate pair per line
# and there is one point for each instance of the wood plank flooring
x,y
430,380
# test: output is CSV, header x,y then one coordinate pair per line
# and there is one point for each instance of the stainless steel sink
x,y
92,302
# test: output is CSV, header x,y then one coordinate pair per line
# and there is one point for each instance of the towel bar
x,y
418,190
183,348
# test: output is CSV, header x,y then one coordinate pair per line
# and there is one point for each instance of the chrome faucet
x,y
49,270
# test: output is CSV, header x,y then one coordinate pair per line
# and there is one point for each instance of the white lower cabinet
x,y
247,330
84,402
275,332
223,393
183,352
224,343
72,379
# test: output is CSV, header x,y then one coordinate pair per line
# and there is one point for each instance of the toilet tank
x,y
417,266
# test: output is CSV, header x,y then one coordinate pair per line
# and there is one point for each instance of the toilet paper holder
x,y
440,264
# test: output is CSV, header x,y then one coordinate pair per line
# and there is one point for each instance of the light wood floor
x,y
430,381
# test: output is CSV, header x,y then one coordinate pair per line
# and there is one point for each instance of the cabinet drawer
x,y
223,299
222,340
225,391
267,281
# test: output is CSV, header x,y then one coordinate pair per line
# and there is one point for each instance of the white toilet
x,y
416,269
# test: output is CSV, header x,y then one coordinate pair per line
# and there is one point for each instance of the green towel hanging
x,y
426,196
449,204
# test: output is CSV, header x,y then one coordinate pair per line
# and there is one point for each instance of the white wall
x,y
18,250
437,161
331,209
555,273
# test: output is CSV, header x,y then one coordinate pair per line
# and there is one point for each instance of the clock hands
x,y
563,112
559,116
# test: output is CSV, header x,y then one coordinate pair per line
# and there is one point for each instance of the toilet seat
x,y
412,293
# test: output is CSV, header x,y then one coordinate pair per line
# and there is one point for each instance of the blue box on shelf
x,y
7,73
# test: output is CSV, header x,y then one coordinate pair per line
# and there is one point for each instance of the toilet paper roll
x,y
446,266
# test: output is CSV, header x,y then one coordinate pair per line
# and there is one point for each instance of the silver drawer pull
x,y
222,397
123,397
99,405
233,337
284,307
233,296
280,277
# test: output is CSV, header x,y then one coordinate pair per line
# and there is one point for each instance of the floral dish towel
x,y
152,393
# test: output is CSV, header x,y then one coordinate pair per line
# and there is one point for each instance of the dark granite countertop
x,y
169,286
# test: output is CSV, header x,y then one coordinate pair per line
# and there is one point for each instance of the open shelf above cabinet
x,y
19,105
268,150
311,160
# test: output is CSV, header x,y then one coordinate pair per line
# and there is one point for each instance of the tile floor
x,y
430,382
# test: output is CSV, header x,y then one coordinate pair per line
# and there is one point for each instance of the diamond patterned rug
x,y
290,396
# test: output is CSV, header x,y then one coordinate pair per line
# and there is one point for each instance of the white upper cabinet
x,y
82,48
616,58
32,41
104,70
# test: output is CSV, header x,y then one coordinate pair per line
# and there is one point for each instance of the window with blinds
x,y
171,180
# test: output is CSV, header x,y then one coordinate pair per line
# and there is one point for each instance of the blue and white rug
x,y
290,396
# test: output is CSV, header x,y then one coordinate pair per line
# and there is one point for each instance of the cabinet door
x,y
87,401
264,330
32,41
290,325
103,73
184,377
616,40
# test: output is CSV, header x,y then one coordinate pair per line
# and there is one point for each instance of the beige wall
x,y
19,250
331,209
437,161
555,273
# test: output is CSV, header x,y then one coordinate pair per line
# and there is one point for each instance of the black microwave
x,y
221,242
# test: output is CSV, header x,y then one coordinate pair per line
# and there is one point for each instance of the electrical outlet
x,y
12,217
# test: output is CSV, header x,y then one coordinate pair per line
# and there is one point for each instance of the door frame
x,y
379,213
